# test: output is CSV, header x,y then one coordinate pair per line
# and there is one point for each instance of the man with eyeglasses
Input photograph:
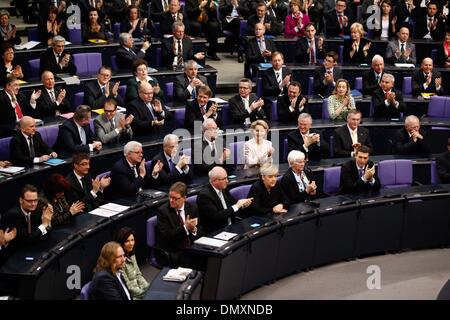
x,y
412,139
31,221
185,86
326,75
112,126
96,92
246,106
217,207
56,59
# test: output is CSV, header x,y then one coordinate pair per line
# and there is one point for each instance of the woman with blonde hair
x,y
341,101
258,150
356,49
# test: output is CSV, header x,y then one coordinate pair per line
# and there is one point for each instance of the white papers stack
x,y
404,65
218,100
179,274
11,170
114,207
226,236
108,210
26,45
210,242
70,79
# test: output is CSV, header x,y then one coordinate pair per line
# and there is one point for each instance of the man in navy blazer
x,y
201,109
304,52
372,77
326,75
75,135
427,80
185,86
259,49
56,59
96,92
339,20
388,101
246,107
271,85
168,18
127,53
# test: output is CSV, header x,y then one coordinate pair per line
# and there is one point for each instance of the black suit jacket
x,y
276,28
270,83
106,286
421,29
167,177
48,62
254,54
380,109
418,79
290,187
284,114
351,182
358,57
443,167
69,140
319,75
370,83
239,113
170,235
45,107
333,28
193,113
212,215
20,152
142,122
315,152
156,10
404,145
263,201
201,166
167,51
8,114
94,98
301,52
343,140
167,22
180,84
125,58
76,192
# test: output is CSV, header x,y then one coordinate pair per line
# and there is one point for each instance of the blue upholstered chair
x,y
395,173
331,180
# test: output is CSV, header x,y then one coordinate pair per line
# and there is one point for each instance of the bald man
x,y
27,146
427,80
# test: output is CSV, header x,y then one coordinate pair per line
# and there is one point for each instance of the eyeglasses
x,y
31,200
110,111
175,198
105,74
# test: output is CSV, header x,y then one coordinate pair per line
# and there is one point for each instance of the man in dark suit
x,y
427,80
51,100
27,146
326,75
158,8
96,92
443,165
387,101
185,86
174,14
82,187
307,140
56,59
358,175
129,174
351,136
428,24
31,221
339,20
177,226
201,109
401,50
178,49
13,106
246,107
273,27
216,205
127,53
75,135
310,49
175,166
259,49
372,77
290,106
276,79
149,114
411,139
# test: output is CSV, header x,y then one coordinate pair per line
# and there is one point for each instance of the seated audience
x,y
94,29
387,101
258,150
75,134
443,165
356,49
341,101
134,24
310,49
129,174
351,136
56,59
112,126
428,23
338,20
411,140
259,49
267,194
140,70
8,68
51,101
50,26
96,92
175,164
82,187
27,147
296,22
372,77
401,50
308,141
217,207
275,80
246,107
385,28
427,80
290,106
136,283
108,282
8,31
273,27
185,86
149,113
297,182
201,109
405,11
326,75
55,187
126,54
358,175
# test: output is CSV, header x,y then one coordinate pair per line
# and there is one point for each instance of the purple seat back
x,y
259,88
407,85
226,114
78,99
325,113
94,62
358,84
151,239
5,153
114,65
237,152
33,34
395,173
122,91
75,35
178,118
285,149
274,111
84,294
310,86
191,199
80,60
157,30
158,60
434,175
168,90
49,134
331,180
437,106
240,192
34,66
148,165
341,54
243,28
105,174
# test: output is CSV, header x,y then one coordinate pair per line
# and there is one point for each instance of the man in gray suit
x,y
111,126
186,85
401,50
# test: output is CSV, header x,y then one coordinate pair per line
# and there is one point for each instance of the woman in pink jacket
x,y
295,23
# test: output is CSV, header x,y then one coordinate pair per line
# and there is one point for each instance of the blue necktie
x,y
171,165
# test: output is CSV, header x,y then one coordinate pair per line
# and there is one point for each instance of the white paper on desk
x,y
210,242
67,115
404,65
11,170
27,45
226,236
103,212
179,274
70,80
218,100
114,207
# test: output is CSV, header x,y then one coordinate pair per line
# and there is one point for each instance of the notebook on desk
x,y
12,171
151,193
54,161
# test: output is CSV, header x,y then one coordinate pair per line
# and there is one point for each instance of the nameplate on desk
x,y
404,65
210,242
226,236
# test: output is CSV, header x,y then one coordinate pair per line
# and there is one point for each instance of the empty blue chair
x,y
341,54
151,243
168,91
439,107
75,35
285,149
5,153
395,173
191,199
274,111
311,86
237,152
226,115
116,29
78,98
158,59
331,180
178,117
122,90
259,88
157,30
240,192
325,113
407,85
87,63
434,175
84,294
34,65
49,134
434,55
243,28
105,174
114,65
358,84
33,34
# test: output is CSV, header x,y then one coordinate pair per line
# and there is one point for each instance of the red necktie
x,y
386,95
341,25
18,111
29,223
312,58
202,109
